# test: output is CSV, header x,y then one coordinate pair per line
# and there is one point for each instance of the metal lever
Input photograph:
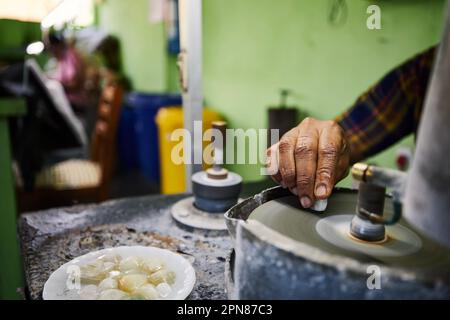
x,y
376,219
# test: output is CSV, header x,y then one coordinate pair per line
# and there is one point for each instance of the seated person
x,y
68,68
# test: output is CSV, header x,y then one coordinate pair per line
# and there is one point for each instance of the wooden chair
x,y
76,180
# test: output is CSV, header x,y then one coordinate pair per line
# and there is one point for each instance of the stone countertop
x,y
52,237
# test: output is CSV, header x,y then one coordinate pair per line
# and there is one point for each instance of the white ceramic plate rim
x,y
55,287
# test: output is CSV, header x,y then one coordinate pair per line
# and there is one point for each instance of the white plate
x,y
56,287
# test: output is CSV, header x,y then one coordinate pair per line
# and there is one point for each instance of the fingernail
x,y
283,185
320,205
321,190
305,201
294,191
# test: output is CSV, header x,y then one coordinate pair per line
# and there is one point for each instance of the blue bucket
x,y
138,134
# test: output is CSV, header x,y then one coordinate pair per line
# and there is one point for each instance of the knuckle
x,y
304,180
288,174
304,148
285,145
331,123
325,173
307,121
303,151
329,153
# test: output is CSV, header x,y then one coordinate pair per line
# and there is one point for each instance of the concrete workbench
x,y
53,237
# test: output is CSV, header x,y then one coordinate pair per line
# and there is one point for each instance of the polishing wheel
x,y
212,197
188,214
216,190
402,247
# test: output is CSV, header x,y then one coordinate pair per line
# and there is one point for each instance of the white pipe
x,y
190,12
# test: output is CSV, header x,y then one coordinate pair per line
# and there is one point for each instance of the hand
x,y
310,159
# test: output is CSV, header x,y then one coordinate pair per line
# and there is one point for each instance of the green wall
x,y
143,44
15,35
252,48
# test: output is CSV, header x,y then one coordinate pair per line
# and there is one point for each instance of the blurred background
x,y
117,64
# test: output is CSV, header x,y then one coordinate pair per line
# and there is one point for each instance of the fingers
x,y
286,148
309,160
306,159
343,167
272,163
330,145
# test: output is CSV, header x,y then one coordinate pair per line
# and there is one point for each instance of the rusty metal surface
x,y
51,238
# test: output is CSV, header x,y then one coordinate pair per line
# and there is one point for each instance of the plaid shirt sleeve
x,y
390,109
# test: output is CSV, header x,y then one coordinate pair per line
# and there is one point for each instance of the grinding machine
x,y
367,244
215,190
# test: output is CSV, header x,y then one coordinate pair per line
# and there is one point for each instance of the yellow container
x,y
169,119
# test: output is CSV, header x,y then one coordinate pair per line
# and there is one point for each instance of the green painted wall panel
x,y
143,43
14,36
253,48
17,33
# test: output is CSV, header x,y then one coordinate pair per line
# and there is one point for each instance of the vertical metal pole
x,y
190,12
